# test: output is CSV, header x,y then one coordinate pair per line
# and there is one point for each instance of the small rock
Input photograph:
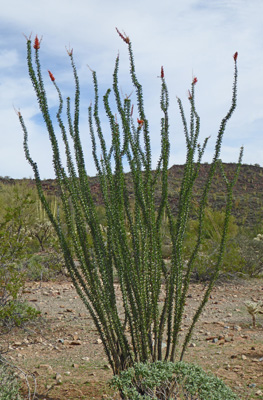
x,y
75,365
192,345
98,341
76,336
259,393
243,357
16,344
244,336
75,343
237,328
85,358
58,378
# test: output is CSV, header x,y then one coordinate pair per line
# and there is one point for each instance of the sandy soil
x,y
65,354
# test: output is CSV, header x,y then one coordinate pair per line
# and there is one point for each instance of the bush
x,y
16,313
251,249
167,380
8,384
45,266
205,263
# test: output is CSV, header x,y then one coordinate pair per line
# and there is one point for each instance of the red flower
x,y
124,37
51,76
189,95
37,43
140,122
235,55
162,72
194,80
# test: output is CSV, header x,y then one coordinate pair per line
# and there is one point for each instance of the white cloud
x,y
186,37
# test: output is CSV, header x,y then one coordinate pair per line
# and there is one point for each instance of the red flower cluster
x,y
194,80
51,76
124,37
235,55
36,43
162,72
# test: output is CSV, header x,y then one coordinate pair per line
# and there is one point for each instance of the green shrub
x,y
251,249
205,262
45,266
16,313
9,386
167,380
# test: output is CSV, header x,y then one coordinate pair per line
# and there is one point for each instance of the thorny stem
x,y
129,244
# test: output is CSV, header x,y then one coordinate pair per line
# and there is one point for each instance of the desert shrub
x,y
9,386
14,248
205,263
251,250
167,380
17,313
45,266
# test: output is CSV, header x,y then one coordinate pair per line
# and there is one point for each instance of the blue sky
x,y
188,37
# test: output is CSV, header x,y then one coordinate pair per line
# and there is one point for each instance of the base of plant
x,y
166,380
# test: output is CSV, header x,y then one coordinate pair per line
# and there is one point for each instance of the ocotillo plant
x,y
143,329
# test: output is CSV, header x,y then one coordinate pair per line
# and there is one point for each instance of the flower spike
x,y
194,80
162,72
124,37
235,56
51,76
37,43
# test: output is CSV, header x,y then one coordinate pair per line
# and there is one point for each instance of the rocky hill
x,y
248,192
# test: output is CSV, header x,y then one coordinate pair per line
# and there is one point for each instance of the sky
x,y
189,38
